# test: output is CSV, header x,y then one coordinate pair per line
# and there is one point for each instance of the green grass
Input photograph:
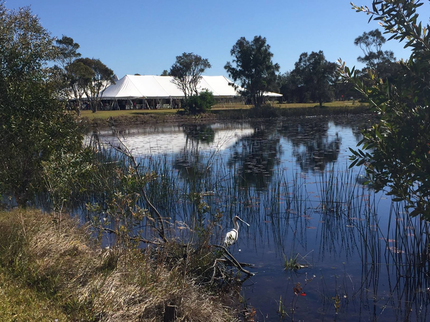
x,y
18,302
108,114
104,115
289,105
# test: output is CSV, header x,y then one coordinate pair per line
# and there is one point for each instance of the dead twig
x,y
133,238
124,150
234,261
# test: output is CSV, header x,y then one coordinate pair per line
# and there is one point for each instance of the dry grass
x,y
63,276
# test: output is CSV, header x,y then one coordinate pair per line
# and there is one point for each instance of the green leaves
x,y
187,72
252,66
33,122
197,104
395,151
317,76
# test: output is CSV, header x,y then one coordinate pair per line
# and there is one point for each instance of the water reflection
x,y
190,161
313,148
253,157
367,259
199,133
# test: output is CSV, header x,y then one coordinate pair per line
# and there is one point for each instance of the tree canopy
x,y
396,150
79,77
92,77
316,76
313,78
382,62
68,50
187,72
252,66
33,122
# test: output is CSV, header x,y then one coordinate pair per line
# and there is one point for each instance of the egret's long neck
x,y
236,224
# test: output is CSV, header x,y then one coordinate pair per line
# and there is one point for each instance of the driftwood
x,y
231,259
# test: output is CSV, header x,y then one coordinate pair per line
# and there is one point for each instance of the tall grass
x,y
82,282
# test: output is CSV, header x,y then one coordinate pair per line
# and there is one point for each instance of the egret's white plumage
x,y
232,235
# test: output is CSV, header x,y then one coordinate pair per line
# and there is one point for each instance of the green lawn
x,y
223,107
107,114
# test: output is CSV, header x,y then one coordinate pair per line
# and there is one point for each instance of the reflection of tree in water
x,y
189,162
199,133
312,147
356,123
193,166
255,157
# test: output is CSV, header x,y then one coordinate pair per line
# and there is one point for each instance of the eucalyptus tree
x,y
33,122
253,67
383,62
93,77
371,44
68,50
187,72
316,76
396,150
78,77
81,77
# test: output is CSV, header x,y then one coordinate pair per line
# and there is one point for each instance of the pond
x,y
324,245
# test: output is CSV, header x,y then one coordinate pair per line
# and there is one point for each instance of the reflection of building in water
x,y
172,139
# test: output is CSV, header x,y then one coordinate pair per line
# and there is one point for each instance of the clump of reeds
x,y
83,282
295,262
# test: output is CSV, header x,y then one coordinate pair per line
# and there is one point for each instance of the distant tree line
x,y
313,79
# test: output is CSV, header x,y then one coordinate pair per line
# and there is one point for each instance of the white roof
x,y
150,86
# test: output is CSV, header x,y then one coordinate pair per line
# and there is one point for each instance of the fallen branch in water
x,y
233,260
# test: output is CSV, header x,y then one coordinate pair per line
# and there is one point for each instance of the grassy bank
x,y
51,270
218,112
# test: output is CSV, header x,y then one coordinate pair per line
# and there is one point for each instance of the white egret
x,y
232,235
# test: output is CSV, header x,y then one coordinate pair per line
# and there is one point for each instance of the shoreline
x,y
104,119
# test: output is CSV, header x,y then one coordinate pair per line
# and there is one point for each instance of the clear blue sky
x,y
145,36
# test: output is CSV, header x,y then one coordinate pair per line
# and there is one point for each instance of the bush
x,y
265,111
198,104
396,150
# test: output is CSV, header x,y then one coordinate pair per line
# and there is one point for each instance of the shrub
x,y
265,111
198,104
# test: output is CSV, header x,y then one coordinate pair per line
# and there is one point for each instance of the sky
x,y
145,36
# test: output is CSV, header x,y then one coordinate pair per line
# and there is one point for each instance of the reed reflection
x,y
190,162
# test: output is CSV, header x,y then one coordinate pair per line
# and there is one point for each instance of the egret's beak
x,y
243,221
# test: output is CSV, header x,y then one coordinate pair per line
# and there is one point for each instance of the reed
x,y
198,193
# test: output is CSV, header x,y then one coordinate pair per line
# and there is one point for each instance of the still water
x,y
361,257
